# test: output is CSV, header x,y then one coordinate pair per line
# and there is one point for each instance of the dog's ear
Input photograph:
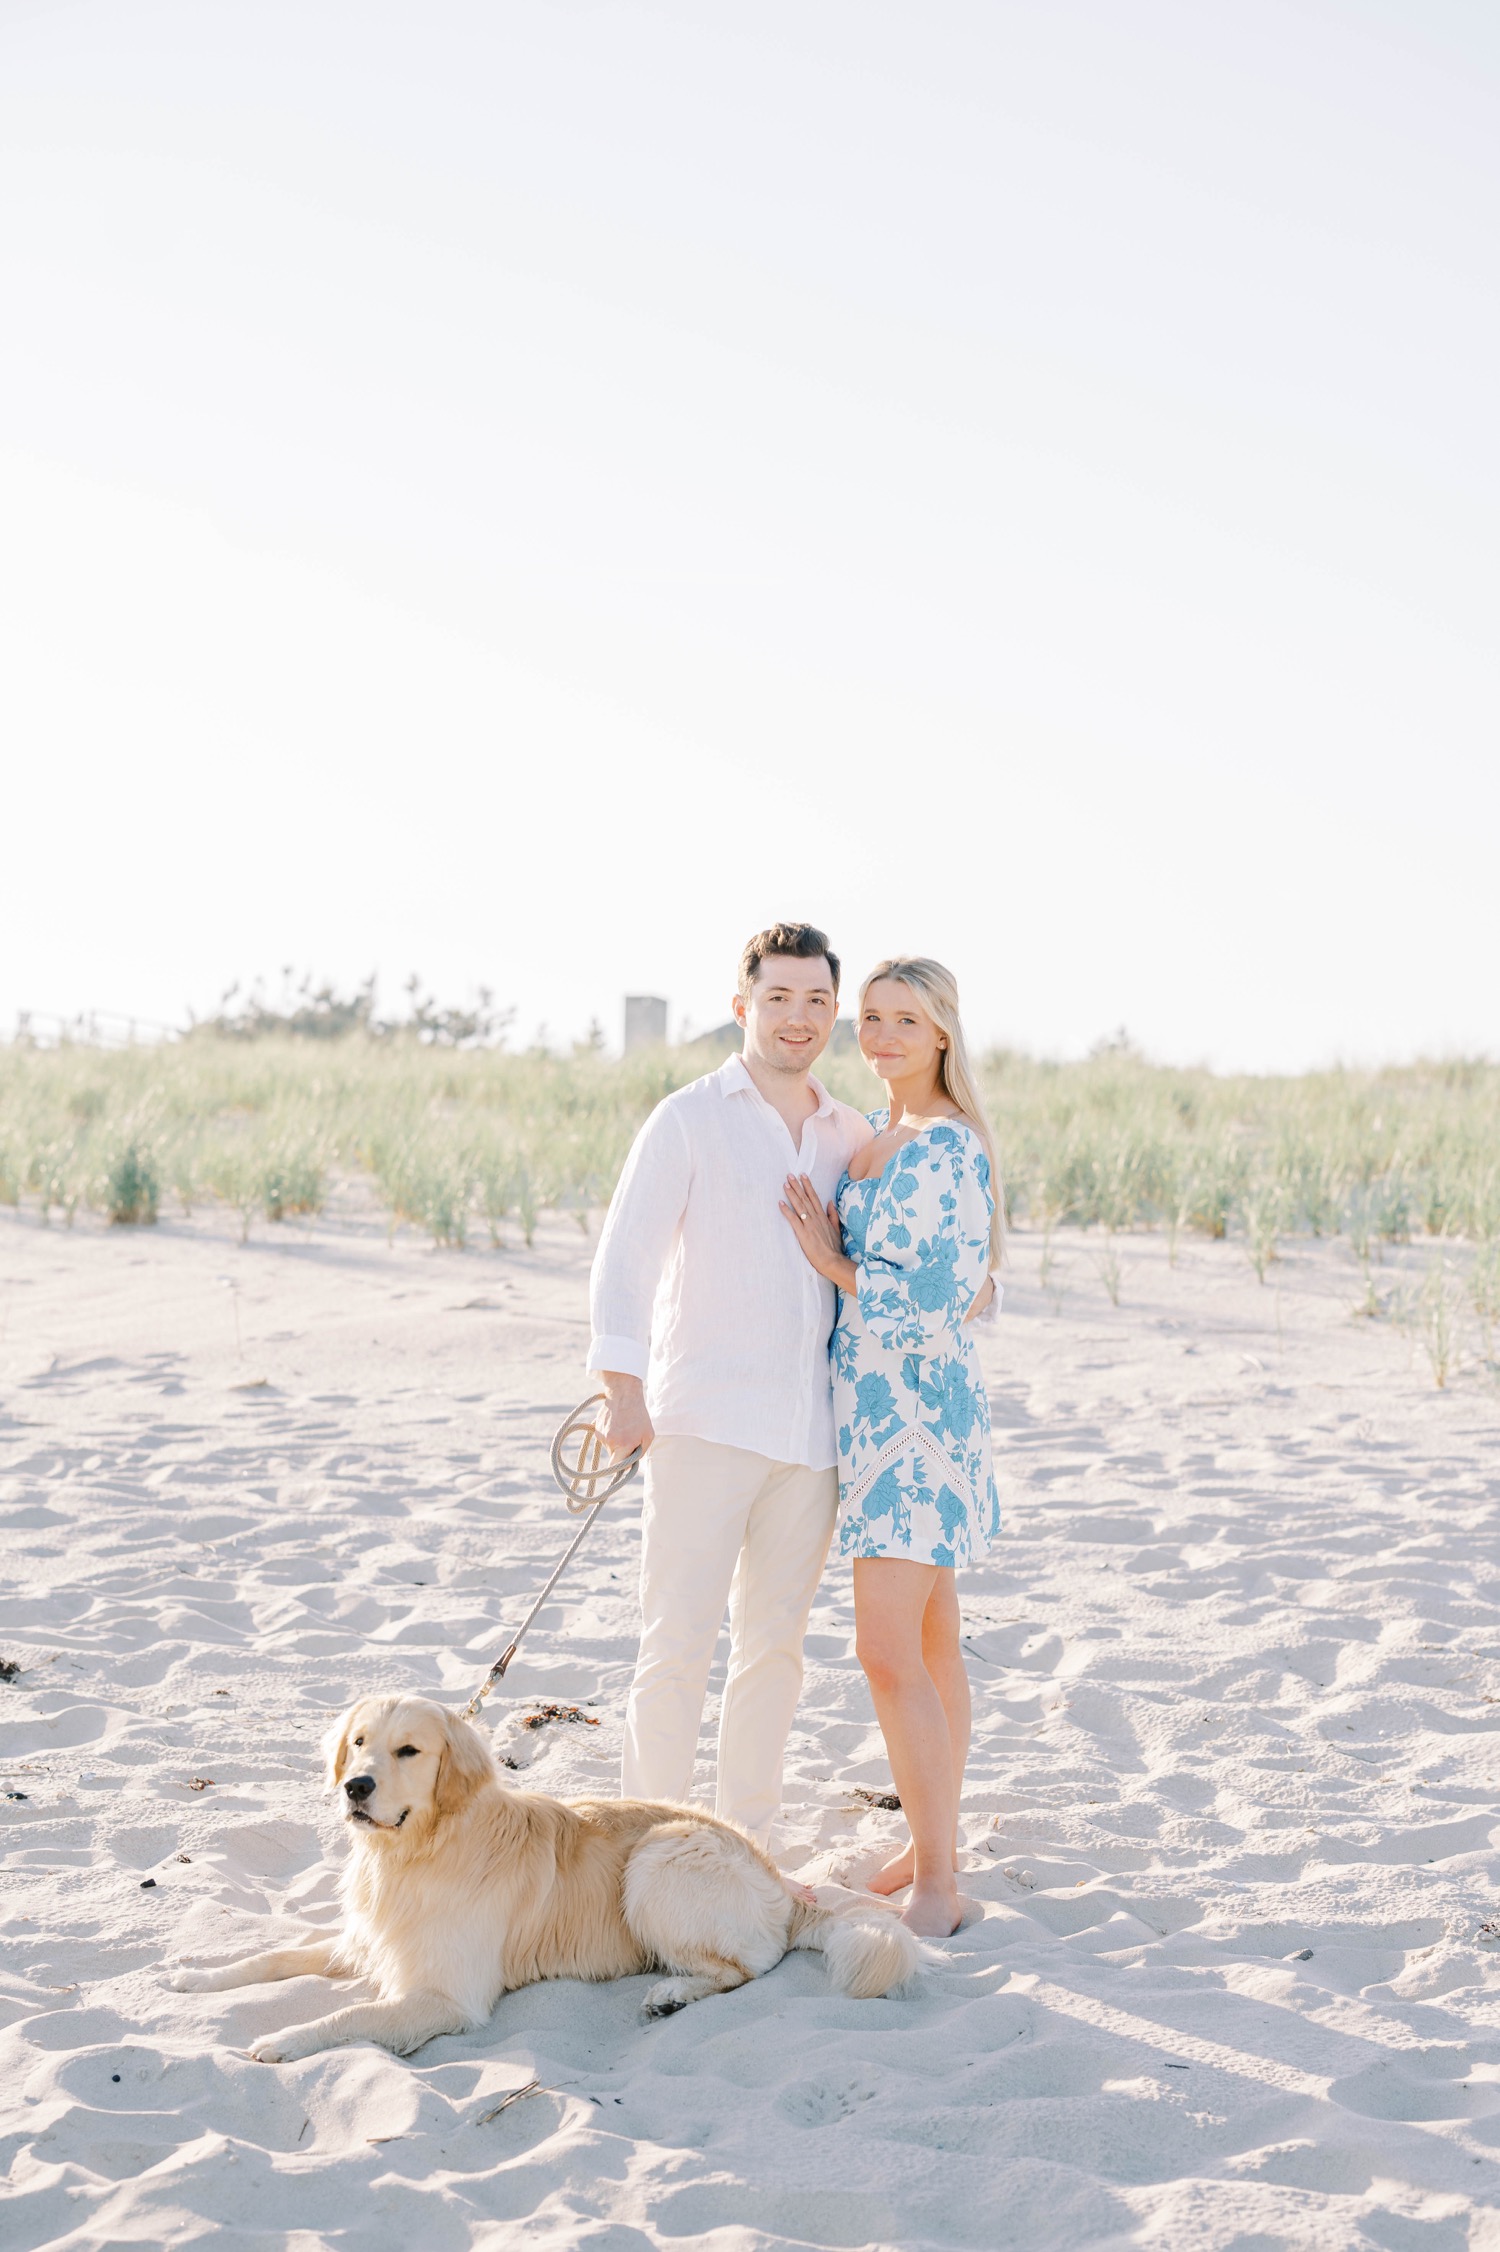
x,y
465,1762
336,1747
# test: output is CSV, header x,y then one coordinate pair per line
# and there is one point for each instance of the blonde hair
x,y
937,990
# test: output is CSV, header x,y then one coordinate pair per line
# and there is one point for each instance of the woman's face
x,y
897,1038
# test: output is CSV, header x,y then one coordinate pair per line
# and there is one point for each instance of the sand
x,y
1231,1811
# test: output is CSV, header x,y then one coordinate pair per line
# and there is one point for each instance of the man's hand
x,y
982,1299
622,1422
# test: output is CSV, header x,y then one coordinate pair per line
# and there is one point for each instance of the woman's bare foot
x,y
933,1912
895,1876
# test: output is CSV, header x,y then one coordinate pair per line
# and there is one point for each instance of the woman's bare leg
x,y
943,1657
890,1601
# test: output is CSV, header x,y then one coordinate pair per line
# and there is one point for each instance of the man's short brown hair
x,y
804,942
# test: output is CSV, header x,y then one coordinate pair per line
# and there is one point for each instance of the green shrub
x,y
132,1186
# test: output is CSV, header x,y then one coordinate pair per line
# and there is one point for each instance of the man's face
x,y
789,1013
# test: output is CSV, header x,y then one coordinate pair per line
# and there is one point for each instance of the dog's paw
x,y
283,2048
668,1998
291,2044
187,1978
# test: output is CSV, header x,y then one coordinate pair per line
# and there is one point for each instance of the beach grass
x,y
473,1143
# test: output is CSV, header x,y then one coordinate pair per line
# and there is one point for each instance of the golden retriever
x,y
459,1889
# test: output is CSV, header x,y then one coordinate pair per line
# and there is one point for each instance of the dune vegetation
x,y
469,1143
473,1141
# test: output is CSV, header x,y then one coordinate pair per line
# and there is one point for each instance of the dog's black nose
x,y
359,1787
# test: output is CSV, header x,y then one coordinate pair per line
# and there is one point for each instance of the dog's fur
x,y
458,1889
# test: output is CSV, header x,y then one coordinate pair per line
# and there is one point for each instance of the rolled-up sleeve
x,y
644,1215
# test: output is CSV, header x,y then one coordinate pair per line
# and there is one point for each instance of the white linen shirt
x,y
699,1285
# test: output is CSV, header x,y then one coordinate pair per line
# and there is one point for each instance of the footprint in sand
x,y
820,2103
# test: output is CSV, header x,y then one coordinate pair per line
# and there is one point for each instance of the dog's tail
x,y
867,1948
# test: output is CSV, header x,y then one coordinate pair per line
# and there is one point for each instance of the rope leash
x,y
581,1476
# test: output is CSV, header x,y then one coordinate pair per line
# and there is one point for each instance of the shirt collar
x,y
734,1079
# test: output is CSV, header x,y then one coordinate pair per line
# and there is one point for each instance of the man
x,y
710,1332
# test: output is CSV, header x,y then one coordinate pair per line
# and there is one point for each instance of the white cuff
x,y
618,1356
992,1310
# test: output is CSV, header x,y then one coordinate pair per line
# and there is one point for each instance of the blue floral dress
x,y
915,1476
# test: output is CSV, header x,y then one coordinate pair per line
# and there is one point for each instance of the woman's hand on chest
x,y
817,1229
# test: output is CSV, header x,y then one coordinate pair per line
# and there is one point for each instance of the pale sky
x,y
531,490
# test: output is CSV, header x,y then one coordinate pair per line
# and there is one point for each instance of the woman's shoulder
x,y
953,1136
879,1119
939,1152
956,1147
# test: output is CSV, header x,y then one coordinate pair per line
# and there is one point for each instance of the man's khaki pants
x,y
721,1523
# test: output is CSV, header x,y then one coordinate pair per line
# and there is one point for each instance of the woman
x,y
910,1240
